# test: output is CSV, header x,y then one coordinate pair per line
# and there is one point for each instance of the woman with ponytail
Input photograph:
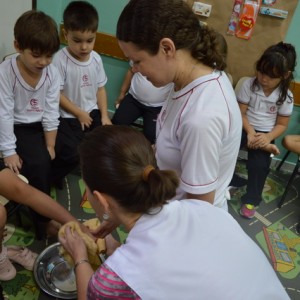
x,y
185,249
198,129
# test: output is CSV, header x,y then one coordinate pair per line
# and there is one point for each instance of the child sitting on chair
x,y
266,104
29,100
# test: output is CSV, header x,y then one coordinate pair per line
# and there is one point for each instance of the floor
x,y
273,229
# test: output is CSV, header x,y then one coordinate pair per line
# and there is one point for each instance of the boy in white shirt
x,y
83,100
29,100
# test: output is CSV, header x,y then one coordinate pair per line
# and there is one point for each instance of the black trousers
x,y
1,293
130,110
69,136
32,149
258,167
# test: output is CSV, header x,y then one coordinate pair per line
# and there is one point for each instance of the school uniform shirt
x,y
80,80
192,250
22,104
262,110
198,136
146,93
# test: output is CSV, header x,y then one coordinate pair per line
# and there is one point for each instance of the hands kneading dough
x,y
93,247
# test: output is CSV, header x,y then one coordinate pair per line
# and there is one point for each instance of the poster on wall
x,y
266,30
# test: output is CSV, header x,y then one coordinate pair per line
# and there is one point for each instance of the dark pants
x,y
69,136
258,166
130,110
1,291
32,149
36,167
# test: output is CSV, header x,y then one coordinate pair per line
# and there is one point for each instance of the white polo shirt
x,y
146,93
80,80
198,136
262,110
20,103
191,250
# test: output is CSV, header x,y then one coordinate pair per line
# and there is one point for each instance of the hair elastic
x,y
146,172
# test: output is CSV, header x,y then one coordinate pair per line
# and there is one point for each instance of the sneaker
x,y
248,211
22,255
7,270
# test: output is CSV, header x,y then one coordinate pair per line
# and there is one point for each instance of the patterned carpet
x,y
272,229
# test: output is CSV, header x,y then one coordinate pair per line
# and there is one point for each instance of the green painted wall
x,y
115,69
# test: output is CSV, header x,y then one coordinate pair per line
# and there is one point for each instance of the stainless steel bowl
x,y
54,275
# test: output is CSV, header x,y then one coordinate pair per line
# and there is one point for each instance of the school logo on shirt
x,y
273,109
85,81
34,106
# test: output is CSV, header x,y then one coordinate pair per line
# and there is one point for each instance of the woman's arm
x,y
246,125
76,247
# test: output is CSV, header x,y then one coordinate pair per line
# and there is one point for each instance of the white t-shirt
x,y
191,250
262,110
146,93
80,80
22,104
198,136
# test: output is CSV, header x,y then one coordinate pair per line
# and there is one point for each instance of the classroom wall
x,y
10,11
116,69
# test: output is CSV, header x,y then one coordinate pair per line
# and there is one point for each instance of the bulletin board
x,y
242,54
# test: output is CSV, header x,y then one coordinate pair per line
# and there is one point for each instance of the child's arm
x,y
13,162
246,125
124,87
82,116
50,138
102,105
264,139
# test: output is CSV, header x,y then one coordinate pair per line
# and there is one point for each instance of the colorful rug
x,y
272,229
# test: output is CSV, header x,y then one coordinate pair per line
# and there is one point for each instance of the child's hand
x,y
105,120
51,152
261,140
13,162
119,100
84,119
250,139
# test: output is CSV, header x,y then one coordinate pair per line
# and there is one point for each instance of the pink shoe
x,y
7,270
248,211
22,255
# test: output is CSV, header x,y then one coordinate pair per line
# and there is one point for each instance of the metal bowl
x,y
54,275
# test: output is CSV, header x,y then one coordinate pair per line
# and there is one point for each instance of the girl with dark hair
x,y
266,105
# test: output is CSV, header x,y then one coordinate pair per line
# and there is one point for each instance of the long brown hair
x,y
113,161
145,23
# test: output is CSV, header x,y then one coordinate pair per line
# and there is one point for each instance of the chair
x,y
296,171
240,83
